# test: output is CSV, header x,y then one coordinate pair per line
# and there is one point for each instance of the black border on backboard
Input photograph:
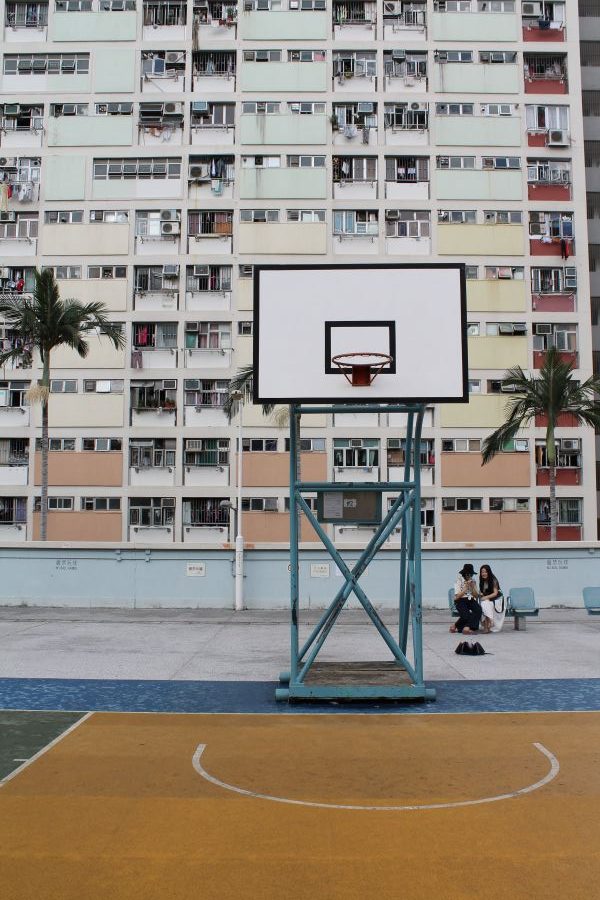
x,y
390,369
258,268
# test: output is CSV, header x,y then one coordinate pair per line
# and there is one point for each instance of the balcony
x,y
164,20
405,70
154,403
212,123
208,288
545,73
566,356
565,477
210,232
407,232
154,345
151,520
214,71
355,178
156,297
404,20
548,180
21,125
475,26
556,246
214,21
406,178
355,232
160,123
274,238
158,232
163,72
15,473
25,22
208,345
543,22
354,72
354,20
205,475
406,124
354,124
563,532
211,177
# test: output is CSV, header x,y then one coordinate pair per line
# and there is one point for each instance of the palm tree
x,y
241,383
43,323
552,394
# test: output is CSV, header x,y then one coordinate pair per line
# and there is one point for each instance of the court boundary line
x,y
308,712
47,747
550,776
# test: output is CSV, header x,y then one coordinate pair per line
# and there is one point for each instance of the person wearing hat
x,y
466,602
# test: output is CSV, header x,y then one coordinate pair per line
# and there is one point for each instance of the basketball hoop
x,y
361,369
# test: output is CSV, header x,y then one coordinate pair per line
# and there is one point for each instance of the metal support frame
x,y
404,512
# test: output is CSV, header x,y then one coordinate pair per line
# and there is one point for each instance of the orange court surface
x,y
178,806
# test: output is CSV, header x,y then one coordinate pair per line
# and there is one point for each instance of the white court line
x,y
45,749
554,770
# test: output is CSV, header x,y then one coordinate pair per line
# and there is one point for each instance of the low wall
x,y
50,575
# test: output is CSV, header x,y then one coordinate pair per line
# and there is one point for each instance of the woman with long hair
x,y
493,605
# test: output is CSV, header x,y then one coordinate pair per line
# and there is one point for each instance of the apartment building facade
x,y
153,151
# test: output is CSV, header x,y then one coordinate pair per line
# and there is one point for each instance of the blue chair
x,y
521,606
453,608
591,600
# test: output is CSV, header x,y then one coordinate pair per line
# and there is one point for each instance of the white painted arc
x,y
551,774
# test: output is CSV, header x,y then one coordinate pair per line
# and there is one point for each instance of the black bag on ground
x,y
467,649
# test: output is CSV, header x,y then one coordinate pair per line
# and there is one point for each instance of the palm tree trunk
x,y
45,383
553,507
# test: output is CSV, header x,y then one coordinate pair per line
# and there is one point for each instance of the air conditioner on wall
x,y
392,214
569,444
171,108
10,216
532,9
174,56
200,270
392,8
558,139
169,215
196,171
170,271
169,228
543,328
364,107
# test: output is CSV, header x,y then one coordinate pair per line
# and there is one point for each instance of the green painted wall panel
x,y
277,184
283,129
93,26
476,27
296,77
114,70
478,131
478,78
284,25
64,177
88,131
477,185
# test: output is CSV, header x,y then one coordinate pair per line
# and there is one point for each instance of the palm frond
x,y
241,383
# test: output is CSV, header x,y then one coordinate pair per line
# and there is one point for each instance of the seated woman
x,y
493,605
465,601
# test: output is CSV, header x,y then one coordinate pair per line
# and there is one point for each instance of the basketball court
x,y
271,806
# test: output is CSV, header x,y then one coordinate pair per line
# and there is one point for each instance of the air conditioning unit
x,y
507,388
200,106
392,8
194,444
487,162
169,384
8,162
170,228
68,109
399,55
497,57
5,273
201,270
444,162
364,107
355,442
531,9
248,6
174,56
415,106
570,277
168,502
169,215
10,216
543,328
392,214
171,108
569,444
519,328
170,271
558,139
196,171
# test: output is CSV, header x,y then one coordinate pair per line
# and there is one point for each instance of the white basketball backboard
x,y
305,315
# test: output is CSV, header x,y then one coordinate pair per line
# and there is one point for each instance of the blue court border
x,y
83,695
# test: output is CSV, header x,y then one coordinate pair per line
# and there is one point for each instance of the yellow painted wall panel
x,y
482,411
93,239
486,526
498,295
497,352
480,240
83,411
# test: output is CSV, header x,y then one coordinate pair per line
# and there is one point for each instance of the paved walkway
x,y
217,645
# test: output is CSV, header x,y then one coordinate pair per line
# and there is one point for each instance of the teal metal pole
x,y
417,616
403,600
294,585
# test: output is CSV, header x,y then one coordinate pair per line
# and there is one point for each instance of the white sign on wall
x,y
319,570
196,569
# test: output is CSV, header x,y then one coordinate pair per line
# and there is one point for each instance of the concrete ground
x,y
253,645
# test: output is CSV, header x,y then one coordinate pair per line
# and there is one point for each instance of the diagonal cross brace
x,y
398,510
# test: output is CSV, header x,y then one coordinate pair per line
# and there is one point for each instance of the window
x,y
306,108
461,445
563,337
13,394
501,162
100,504
206,452
144,167
109,215
152,512
63,217
13,510
212,115
551,225
259,215
306,56
461,504
568,453
265,56
457,216
509,504
570,511
453,56
154,335
474,385
553,280
407,223
259,445
68,109
205,393
549,171
107,271
497,109
57,445
354,168
505,329
396,452
308,445
161,279
245,329
502,217
515,272
22,226
26,15
14,451
452,6
454,109
473,329
113,109
206,511
497,56
104,386
65,273
208,336
203,223
63,504
544,118
261,107
355,222
261,162
149,224
471,273
156,453
101,445
401,117
51,64
305,162
259,504
355,452
496,6
158,13
245,271
456,162
154,394
201,278
63,386
305,215
311,502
